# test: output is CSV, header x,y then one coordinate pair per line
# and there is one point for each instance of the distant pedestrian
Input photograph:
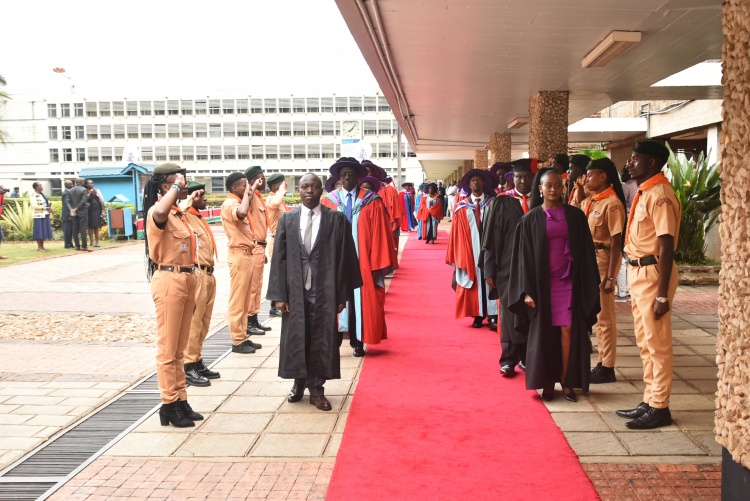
x,y
430,213
451,192
96,212
42,209
79,211
16,193
67,219
2,202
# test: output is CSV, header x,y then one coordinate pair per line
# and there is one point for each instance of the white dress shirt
x,y
304,211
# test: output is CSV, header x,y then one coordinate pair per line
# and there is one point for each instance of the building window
x,y
118,108
132,131
341,105
272,129
326,129
384,126
79,132
298,104
256,129
257,152
217,185
229,130
313,105
51,111
201,130
371,104
118,153
298,128
243,129
256,106
214,107
230,152
370,127
52,133
186,105
91,110
54,155
188,153
215,152
147,153
145,108
92,132
106,154
119,131
64,110
200,107
355,104
160,108
161,153
105,132
66,133
285,129
80,154
227,106
243,152
93,154
201,152
187,130
384,150
104,109
383,104
78,109
326,105
285,151
173,130
285,105
146,130
313,151
214,130
67,155
174,153
269,105
313,128
299,151
132,108
173,107
327,151
160,131
272,151
242,106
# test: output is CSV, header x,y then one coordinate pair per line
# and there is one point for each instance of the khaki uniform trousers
x,y
205,295
654,337
606,320
269,249
256,282
241,269
174,298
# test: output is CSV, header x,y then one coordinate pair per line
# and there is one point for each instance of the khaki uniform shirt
x,y
275,207
203,242
170,246
657,213
606,219
237,230
257,217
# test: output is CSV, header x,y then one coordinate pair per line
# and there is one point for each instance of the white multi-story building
x,y
51,139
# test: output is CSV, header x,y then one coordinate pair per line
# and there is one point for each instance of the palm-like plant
x,y
696,185
20,219
594,153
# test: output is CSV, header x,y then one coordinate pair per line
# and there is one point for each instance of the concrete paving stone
x,y
52,410
237,423
83,401
9,457
18,384
6,419
628,351
349,372
35,400
304,405
707,441
691,403
611,403
618,388
629,361
242,404
59,421
690,332
217,445
265,374
152,425
30,377
595,444
708,387
705,325
47,432
630,373
678,387
81,410
303,423
25,391
338,387
350,361
240,361
699,318
708,350
111,385
71,385
228,374
148,444
618,424
79,392
679,349
694,420
270,363
579,421
347,403
341,423
624,341
694,340
664,443
21,430
291,445
692,361
7,409
205,403
692,373
216,388
3,398
266,388
19,443
333,445
678,325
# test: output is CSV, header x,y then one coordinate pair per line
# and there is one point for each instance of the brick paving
x,y
646,482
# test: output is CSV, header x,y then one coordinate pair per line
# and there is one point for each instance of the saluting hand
x,y
529,301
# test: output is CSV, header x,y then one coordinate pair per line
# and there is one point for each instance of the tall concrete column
x,y
481,159
468,165
500,147
548,125
733,345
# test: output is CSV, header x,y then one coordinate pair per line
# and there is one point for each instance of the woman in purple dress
x,y
554,289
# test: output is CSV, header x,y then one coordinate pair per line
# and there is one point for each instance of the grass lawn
x,y
19,252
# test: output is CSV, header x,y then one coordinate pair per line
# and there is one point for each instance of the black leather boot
x,y
189,412
195,378
257,324
274,311
174,414
205,371
252,330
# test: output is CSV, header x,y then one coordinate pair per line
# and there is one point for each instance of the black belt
x,y
207,269
644,261
176,269
600,247
262,244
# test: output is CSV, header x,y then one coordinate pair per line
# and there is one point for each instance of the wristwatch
x,y
662,299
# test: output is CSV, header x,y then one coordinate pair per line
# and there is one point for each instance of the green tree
x,y
3,96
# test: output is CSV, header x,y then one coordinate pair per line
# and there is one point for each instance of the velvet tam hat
x,y
375,183
331,183
654,149
348,162
491,181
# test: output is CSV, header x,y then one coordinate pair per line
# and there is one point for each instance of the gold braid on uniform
x,y
151,194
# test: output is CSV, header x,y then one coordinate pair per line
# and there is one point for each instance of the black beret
x,y
168,168
253,171
562,158
580,160
603,164
654,149
195,186
274,178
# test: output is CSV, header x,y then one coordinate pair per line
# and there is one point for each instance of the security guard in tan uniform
x,y
196,372
650,243
259,227
170,248
605,210
275,207
234,218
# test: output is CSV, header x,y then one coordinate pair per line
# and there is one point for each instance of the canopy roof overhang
x,y
455,71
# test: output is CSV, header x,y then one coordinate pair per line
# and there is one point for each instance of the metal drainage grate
x,y
40,473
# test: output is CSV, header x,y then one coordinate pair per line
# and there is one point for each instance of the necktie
x,y
349,207
478,214
308,247
525,203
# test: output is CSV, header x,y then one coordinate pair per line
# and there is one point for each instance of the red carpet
x,y
432,418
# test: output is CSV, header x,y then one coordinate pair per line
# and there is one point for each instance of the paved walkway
x,y
254,444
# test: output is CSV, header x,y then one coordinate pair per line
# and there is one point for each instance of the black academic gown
x,y
338,275
530,275
503,217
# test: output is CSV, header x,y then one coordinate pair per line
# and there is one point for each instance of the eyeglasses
x,y
347,174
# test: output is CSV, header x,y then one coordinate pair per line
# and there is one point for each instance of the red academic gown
x,y
393,203
376,253
424,213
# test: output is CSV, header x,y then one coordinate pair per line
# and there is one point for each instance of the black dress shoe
x,y
570,395
256,323
321,402
492,324
298,391
653,418
477,322
254,331
359,351
205,371
195,378
257,346
275,312
508,371
522,365
189,412
639,411
243,347
174,415
548,393
603,375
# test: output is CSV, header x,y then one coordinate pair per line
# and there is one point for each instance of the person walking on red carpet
x,y
465,247
497,244
408,222
313,272
364,317
430,213
554,289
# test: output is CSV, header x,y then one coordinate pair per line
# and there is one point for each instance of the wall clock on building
x,y
351,129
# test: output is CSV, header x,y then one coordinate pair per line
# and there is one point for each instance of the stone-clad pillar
x,y
548,125
500,147
481,160
733,344
468,165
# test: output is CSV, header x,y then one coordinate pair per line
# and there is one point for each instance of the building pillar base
x,y
735,479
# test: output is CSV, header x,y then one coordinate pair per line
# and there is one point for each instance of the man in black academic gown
x,y
497,243
314,270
